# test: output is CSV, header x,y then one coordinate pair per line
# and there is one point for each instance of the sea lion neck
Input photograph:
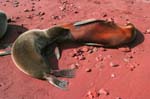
x,y
57,32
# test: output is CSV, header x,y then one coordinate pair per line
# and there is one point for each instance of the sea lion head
x,y
60,33
131,31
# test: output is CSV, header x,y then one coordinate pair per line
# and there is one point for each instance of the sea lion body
x,y
3,24
104,33
27,54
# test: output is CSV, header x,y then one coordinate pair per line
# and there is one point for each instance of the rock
x,y
55,17
26,10
88,69
99,58
102,49
92,94
113,75
74,66
113,64
125,49
126,60
85,49
81,57
103,92
147,31
118,98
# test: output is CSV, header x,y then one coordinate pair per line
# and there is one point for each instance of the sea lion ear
x,y
56,82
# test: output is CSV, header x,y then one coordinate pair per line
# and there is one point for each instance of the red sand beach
x,y
102,73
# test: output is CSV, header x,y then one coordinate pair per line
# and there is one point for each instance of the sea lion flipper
x,y
56,82
68,73
5,52
57,53
79,23
94,44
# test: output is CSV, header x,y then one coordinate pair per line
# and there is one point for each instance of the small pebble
x,y
76,12
88,69
99,58
102,49
113,75
90,51
62,8
125,49
112,64
147,31
95,49
81,57
118,98
109,56
92,94
55,17
103,92
126,60
132,67
105,15
74,66
26,10
85,49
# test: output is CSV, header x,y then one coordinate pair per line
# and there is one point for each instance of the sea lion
x,y
100,32
28,55
3,24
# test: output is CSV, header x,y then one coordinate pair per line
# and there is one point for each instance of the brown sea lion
x,y
100,32
27,54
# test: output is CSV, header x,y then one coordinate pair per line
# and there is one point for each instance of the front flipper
x,y
5,52
68,73
94,44
56,82
85,22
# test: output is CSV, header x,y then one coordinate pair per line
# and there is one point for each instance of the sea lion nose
x,y
3,24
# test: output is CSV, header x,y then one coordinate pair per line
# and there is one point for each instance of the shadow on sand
x,y
13,31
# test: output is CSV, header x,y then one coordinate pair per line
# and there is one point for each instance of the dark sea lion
x,y
100,32
27,54
3,24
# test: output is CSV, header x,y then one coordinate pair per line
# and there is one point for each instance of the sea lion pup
x,y
3,24
101,33
27,54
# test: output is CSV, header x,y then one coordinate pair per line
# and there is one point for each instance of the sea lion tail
x,y
68,73
56,82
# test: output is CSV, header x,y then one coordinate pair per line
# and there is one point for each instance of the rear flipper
x,y
68,73
56,82
5,52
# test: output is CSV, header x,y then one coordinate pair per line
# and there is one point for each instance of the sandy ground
x,y
102,73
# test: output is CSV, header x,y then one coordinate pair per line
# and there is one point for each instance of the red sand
x,y
95,78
